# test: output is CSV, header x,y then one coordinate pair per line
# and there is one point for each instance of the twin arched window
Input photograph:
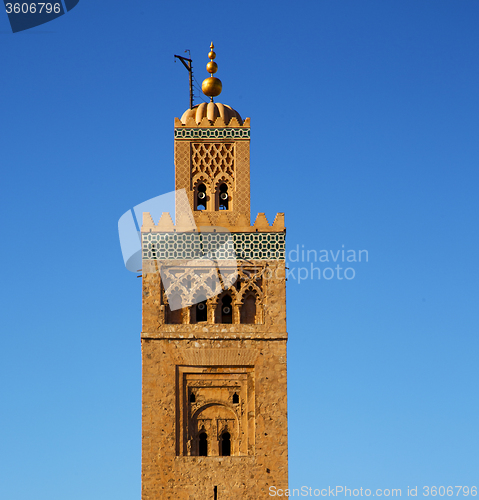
x,y
225,444
222,198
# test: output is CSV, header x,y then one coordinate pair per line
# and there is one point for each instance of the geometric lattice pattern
x,y
242,180
216,246
212,159
212,133
260,246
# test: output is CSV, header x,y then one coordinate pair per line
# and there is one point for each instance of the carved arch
x,y
197,181
250,287
212,419
223,178
211,403
199,306
251,309
219,313
223,183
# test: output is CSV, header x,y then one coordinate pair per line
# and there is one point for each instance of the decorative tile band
x,y
214,246
212,133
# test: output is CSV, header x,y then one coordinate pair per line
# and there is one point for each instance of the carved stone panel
x,y
213,401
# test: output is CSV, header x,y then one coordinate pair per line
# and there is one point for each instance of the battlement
x,y
209,221
218,122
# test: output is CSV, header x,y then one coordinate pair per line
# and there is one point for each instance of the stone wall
x,y
168,471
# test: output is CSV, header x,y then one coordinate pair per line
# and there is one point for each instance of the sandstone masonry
x,y
214,405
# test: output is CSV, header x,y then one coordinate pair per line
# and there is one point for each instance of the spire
x,y
212,86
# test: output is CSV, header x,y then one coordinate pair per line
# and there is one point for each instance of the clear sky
x,y
364,124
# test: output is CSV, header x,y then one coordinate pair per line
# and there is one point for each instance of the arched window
x,y
192,397
235,399
226,310
248,310
200,202
199,311
174,317
225,444
203,445
223,197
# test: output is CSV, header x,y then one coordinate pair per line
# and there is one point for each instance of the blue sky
x,y
364,124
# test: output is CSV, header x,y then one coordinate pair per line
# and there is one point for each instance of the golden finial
x,y
212,86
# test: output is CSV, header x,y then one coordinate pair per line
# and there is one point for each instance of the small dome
x,y
211,110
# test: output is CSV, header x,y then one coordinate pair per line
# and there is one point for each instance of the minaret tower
x,y
214,422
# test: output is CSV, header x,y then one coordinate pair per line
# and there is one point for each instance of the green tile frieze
x,y
212,133
216,246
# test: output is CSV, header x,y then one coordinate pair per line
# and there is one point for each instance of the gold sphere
x,y
212,86
212,55
212,67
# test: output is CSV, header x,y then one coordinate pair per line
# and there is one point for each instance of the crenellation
x,y
261,221
205,220
205,122
148,221
216,122
164,224
190,122
220,122
234,122
278,222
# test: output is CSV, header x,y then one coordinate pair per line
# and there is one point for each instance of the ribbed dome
x,y
211,110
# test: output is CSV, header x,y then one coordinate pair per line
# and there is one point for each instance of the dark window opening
x,y
235,399
203,451
223,197
192,398
201,311
226,310
174,317
201,197
248,310
225,444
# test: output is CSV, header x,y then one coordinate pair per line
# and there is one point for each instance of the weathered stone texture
x,y
169,474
